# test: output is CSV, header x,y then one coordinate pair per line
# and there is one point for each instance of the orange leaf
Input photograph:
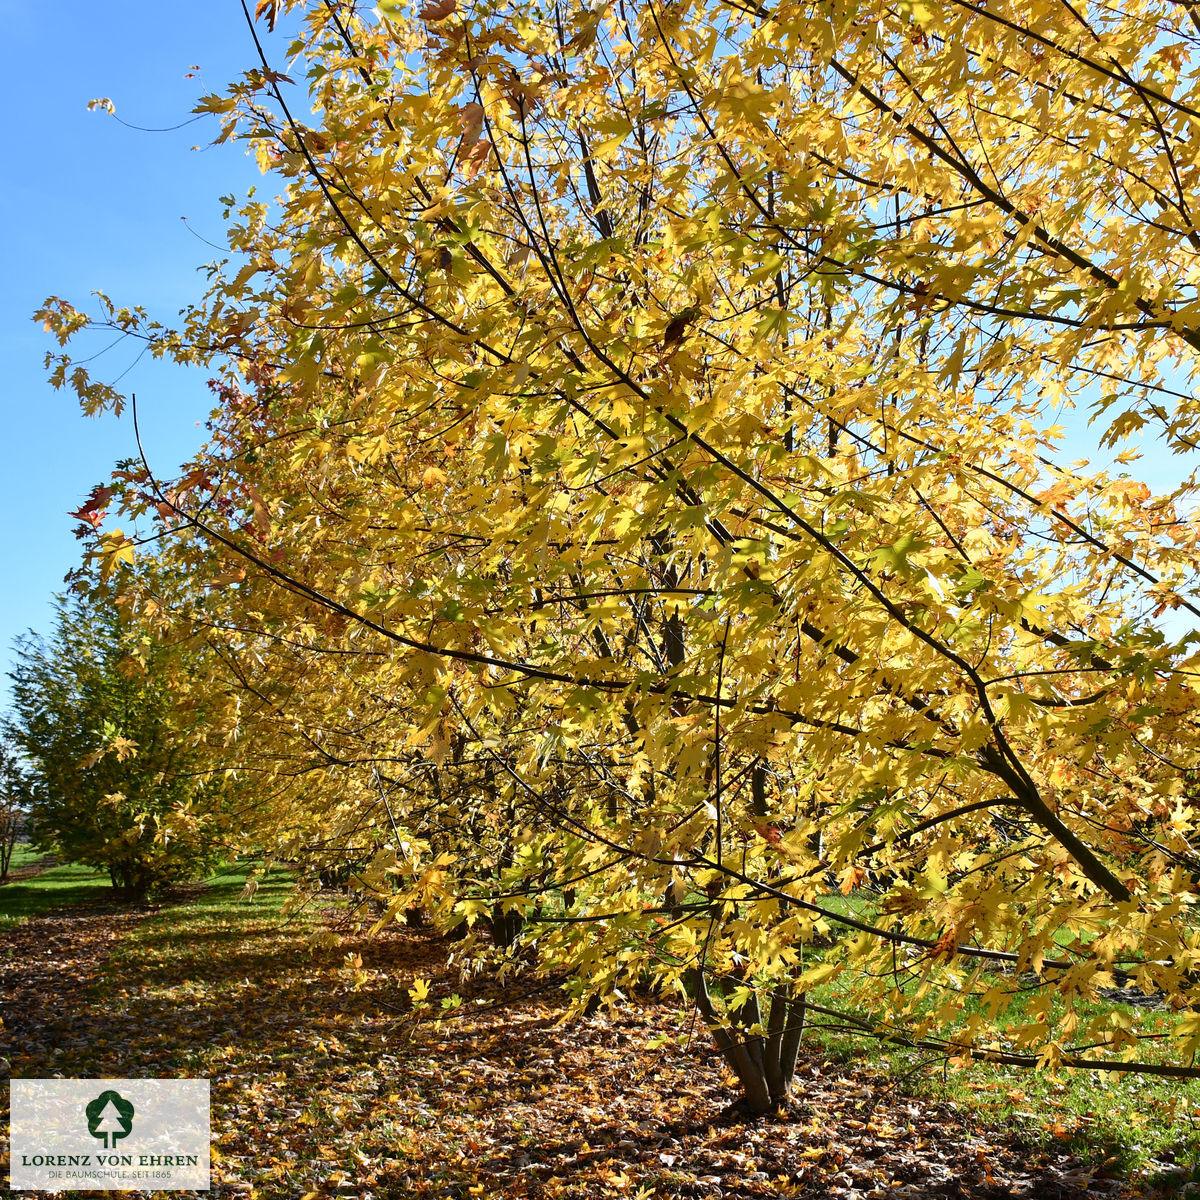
x,y
262,515
438,11
470,117
476,158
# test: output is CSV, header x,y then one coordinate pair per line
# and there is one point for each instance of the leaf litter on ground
x,y
323,1085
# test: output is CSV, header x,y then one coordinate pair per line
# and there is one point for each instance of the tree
x,y
638,498
110,1122
15,790
110,1118
120,780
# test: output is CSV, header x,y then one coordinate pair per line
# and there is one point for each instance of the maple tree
x,y
639,512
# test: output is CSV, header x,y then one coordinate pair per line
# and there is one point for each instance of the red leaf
x,y
770,832
95,508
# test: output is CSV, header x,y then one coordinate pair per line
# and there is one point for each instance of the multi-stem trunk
x,y
762,1055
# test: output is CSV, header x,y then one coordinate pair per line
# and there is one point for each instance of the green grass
x,y
74,884
69,884
1136,1126
214,931
185,932
1139,1126
201,973
24,855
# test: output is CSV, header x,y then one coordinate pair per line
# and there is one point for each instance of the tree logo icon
x,y
109,1116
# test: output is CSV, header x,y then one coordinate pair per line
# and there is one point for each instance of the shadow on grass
x,y
1120,1125
58,887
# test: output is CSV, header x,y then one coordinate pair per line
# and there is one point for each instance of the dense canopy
x,y
645,508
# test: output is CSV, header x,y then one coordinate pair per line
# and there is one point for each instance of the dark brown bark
x,y
765,1065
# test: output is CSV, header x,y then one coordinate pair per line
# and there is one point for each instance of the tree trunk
x,y
505,926
132,884
765,1065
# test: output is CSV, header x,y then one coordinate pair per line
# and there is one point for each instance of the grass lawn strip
x,y
69,885
26,863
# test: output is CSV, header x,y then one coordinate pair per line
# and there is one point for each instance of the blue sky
x,y
89,204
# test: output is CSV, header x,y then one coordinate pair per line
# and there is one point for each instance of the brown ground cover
x,y
324,1085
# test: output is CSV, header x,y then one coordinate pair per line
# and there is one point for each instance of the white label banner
x,y
108,1134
